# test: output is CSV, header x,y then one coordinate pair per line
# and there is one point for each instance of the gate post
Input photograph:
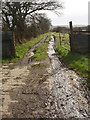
x,y
71,33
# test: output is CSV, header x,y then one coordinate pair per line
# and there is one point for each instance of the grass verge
x,y
21,50
77,62
41,51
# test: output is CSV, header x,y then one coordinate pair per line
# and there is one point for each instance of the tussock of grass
x,y
47,40
41,51
75,61
21,50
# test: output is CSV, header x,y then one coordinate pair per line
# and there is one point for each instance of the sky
x,y
74,10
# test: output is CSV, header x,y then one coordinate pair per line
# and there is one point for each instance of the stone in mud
x,y
5,67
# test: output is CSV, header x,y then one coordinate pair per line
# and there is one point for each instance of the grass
x,y
74,61
21,50
41,51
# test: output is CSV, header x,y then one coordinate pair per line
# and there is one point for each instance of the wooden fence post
x,y
71,33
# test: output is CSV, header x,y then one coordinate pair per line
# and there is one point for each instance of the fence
x,y
8,48
79,41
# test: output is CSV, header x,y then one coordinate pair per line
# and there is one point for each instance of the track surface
x,y
44,89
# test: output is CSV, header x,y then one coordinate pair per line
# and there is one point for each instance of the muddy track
x,y
43,89
26,88
69,100
27,58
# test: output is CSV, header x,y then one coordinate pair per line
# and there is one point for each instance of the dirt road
x,y
44,89
26,87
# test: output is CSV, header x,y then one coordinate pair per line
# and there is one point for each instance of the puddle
x,y
68,100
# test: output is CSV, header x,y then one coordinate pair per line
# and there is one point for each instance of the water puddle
x,y
68,99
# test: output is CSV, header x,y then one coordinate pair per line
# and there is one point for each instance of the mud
x,y
27,58
68,98
44,89
25,87
26,91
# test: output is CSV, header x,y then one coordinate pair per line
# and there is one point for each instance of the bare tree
x,y
39,24
16,13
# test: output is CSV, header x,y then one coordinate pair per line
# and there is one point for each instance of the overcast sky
x,y
74,10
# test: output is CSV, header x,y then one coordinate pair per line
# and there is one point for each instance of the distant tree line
x,y
60,29
67,29
23,19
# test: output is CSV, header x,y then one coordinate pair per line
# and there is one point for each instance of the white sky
x,y
74,10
